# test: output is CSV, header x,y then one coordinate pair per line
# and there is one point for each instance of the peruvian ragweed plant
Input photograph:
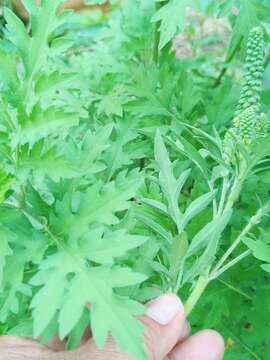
x,y
114,186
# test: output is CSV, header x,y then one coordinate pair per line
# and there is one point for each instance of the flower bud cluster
x,y
249,123
250,93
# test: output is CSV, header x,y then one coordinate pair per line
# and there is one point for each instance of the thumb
x,y
165,325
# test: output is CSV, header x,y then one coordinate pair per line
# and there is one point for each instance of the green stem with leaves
x,y
253,221
225,206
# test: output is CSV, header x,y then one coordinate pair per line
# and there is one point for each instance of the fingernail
x,y
164,309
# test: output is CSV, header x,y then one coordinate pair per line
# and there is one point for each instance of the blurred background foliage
x,y
90,15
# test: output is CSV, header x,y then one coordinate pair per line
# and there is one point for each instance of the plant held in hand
x,y
117,183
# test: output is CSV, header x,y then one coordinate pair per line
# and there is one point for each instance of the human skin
x,y
166,338
77,5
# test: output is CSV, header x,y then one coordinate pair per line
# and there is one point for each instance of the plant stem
x,y
225,68
238,291
223,196
226,267
236,188
156,37
204,280
215,209
198,290
253,221
220,77
235,191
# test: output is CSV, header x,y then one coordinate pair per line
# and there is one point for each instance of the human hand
x,y
166,338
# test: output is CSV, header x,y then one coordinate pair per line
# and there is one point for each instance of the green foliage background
x,y
81,108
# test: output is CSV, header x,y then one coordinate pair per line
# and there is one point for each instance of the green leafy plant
x,y
125,173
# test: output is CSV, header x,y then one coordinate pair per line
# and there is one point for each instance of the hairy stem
x,y
198,290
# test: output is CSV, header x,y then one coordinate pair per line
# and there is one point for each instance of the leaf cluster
x,y
113,183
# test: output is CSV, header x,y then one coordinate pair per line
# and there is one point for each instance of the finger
x,y
17,348
56,344
205,345
165,325
184,333
87,335
20,341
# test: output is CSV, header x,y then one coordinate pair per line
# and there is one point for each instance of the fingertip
x,y
164,323
213,339
205,345
164,308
